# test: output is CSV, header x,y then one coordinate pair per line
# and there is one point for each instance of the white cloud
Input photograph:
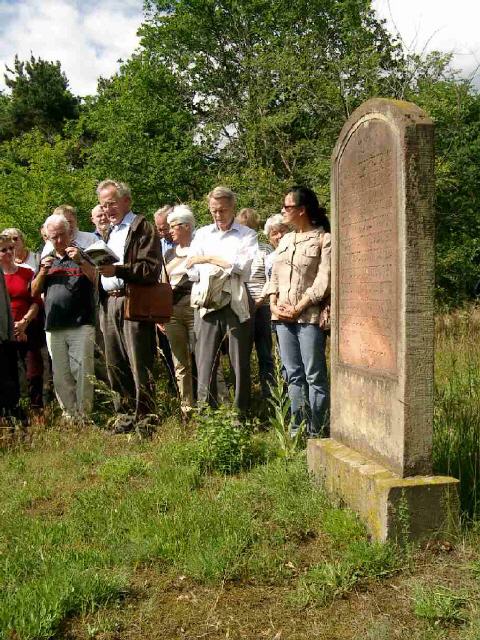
x,y
88,38
440,25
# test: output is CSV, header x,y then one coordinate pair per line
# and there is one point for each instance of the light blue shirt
x,y
116,242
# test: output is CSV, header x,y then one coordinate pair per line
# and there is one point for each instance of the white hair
x,y
56,218
183,214
273,221
121,188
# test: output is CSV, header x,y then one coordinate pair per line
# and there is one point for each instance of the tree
x,y
140,129
39,98
454,105
36,175
272,80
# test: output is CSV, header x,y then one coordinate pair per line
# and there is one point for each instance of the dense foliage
x,y
247,92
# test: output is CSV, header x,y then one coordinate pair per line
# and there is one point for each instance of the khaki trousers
x,y
180,335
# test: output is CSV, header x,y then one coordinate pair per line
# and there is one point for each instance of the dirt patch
x,y
162,607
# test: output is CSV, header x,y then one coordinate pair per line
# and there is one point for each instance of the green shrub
x,y
224,444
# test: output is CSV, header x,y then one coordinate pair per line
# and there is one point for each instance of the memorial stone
x,y
383,322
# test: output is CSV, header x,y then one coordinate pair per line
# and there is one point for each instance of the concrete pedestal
x,y
390,506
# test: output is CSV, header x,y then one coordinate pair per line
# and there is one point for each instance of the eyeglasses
x,y
290,206
108,205
5,249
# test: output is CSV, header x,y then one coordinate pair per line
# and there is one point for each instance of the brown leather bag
x,y
149,302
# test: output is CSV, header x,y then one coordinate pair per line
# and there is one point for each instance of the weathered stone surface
x,y
382,285
391,507
378,460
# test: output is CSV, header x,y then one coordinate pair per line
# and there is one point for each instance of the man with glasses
x,y
66,280
130,346
82,239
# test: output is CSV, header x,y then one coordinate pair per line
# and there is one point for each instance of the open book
x,y
100,254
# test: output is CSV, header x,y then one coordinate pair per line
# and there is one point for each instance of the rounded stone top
x,y
399,113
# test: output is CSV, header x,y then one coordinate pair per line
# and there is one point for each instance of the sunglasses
x,y
5,249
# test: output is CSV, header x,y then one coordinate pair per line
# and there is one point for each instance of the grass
x,y
216,533
456,442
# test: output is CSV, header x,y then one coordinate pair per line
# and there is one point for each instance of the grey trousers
x,y
130,349
210,331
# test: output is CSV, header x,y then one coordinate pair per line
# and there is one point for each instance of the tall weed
x,y
456,436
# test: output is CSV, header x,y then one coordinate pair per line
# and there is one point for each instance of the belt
x,y
115,293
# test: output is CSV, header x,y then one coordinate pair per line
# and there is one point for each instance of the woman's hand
x,y
285,312
20,327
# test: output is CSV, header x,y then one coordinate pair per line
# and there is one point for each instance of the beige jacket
x,y
302,265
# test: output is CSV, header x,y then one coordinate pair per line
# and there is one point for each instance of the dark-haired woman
x,y
300,281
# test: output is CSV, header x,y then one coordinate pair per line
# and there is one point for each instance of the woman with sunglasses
x,y
24,310
300,281
23,256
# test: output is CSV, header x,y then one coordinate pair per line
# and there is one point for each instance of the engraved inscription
x,y
367,249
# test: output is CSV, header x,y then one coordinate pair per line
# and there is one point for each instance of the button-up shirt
x,y
236,245
302,266
116,242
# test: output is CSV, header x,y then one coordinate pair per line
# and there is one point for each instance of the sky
x,y
89,37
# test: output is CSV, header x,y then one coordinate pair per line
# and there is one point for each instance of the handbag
x,y
149,302
324,321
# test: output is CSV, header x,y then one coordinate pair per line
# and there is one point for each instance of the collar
x,y
235,226
127,220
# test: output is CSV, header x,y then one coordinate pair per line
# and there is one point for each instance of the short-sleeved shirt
x,y
18,285
69,296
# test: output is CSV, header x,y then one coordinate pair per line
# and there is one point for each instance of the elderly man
x,y
66,279
230,246
82,239
100,219
130,346
163,229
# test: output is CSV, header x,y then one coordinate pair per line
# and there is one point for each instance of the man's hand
x,y
196,260
107,270
74,254
46,264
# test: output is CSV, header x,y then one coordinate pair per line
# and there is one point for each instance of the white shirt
x,y
116,242
238,245
82,239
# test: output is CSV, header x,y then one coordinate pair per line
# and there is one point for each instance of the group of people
x,y
230,293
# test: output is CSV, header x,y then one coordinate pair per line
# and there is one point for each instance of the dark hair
x,y
305,197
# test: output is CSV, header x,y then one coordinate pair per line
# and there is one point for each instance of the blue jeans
x,y
302,349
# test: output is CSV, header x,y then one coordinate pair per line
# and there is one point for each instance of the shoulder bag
x,y
149,302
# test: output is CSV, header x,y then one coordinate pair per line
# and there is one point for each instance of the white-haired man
x,y
66,279
130,346
230,246
82,239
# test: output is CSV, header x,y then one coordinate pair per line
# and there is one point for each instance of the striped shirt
x,y
259,273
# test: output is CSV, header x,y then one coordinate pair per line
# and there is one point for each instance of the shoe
x,y
123,424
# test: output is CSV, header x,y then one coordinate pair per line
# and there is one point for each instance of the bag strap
x,y
164,268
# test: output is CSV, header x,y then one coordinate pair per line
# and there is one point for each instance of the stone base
x,y
390,506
